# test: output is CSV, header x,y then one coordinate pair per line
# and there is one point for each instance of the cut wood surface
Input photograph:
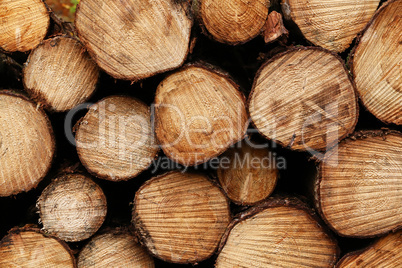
x,y
331,24
247,174
27,144
303,99
59,74
135,39
24,24
199,113
72,207
29,247
386,252
376,64
277,233
232,21
180,217
115,139
114,248
274,27
359,192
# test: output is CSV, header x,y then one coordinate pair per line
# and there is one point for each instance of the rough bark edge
x,y
351,56
34,228
142,234
184,5
76,128
358,135
295,49
18,94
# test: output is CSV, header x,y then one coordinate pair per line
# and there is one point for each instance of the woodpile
x,y
206,133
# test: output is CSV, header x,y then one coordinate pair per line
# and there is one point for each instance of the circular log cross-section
x,y
27,144
199,113
114,248
359,192
115,139
180,217
377,63
24,24
331,24
233,21
59,74
31,248
303,99
135,39
72,207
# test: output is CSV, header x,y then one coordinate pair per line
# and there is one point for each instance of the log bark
x,y
27,144
304,100
199,113
330,24
135,39
59,74
180,217
376,64
115,139
359,189
72,207
280,232
30,247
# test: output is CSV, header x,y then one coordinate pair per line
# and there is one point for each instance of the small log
x,y
247,174
277,233
385,252
27,144
24,24
180,217
30,247
232,21
274,28
135,39
359,189
115,139
304,99
376,64
72,207
199,113
114,248
330,24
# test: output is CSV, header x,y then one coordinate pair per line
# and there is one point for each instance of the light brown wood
x,y
24,24
359,193
331,24
59,74
115,248
377,64
72,207
303,99
386,252
115,139
135,39
247,174
199,113
274,27
28,247
277,233
27,144
180,217
232,21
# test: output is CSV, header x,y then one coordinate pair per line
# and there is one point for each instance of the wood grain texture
x,y
27,145
274,28
134,39
72,207
376,64
199,113
180,217
359,193
331,24
303,99
23,24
